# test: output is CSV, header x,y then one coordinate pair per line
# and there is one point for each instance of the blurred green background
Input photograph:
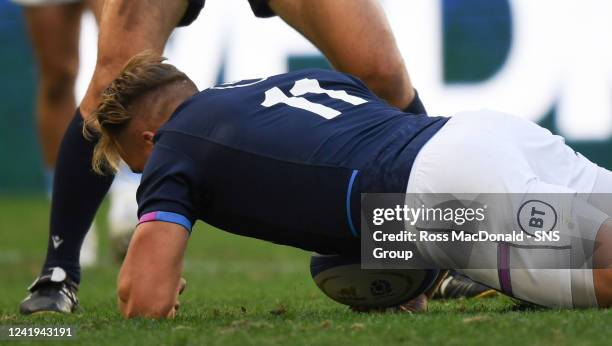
x,y
20,170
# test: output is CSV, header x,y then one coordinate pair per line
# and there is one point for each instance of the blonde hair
x,y
143,73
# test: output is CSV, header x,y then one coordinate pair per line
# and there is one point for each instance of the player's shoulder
x,y
170,160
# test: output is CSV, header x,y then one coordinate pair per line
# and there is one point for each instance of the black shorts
x,y
260,9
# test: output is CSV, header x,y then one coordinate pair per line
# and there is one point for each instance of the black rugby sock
x,y
77,194
416,106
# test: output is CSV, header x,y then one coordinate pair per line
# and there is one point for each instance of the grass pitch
x,y
242,291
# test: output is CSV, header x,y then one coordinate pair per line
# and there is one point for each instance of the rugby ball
x,y
343,280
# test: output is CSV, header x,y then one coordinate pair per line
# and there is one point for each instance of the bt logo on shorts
x,y
538,219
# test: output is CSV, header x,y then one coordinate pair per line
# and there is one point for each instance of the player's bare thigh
x,y
54,32
356,37
54,35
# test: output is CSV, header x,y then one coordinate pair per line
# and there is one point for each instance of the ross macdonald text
x,y
462,236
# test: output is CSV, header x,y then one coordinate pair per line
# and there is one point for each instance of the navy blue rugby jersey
x,y
283,158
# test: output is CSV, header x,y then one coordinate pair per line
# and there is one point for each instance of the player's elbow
x,y
135,300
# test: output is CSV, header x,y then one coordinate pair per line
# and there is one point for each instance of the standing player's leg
x,y
54,33
356,38
127,27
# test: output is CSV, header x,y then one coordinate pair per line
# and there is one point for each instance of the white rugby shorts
x,y
492,152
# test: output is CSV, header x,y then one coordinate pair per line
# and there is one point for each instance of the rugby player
x,y
286,158
354,35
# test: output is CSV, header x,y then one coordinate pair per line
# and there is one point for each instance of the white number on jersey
x,y
304,86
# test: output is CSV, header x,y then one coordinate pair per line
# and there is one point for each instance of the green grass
x,y
243,291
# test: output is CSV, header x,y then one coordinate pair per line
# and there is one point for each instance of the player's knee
x,y
57,82
388,80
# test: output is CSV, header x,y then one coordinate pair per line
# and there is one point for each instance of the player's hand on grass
x,y
177,304
150,278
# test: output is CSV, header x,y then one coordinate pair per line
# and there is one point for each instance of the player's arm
x,y
149,281
150,278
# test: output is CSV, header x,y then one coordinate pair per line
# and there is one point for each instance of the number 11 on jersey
x,y
304,86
